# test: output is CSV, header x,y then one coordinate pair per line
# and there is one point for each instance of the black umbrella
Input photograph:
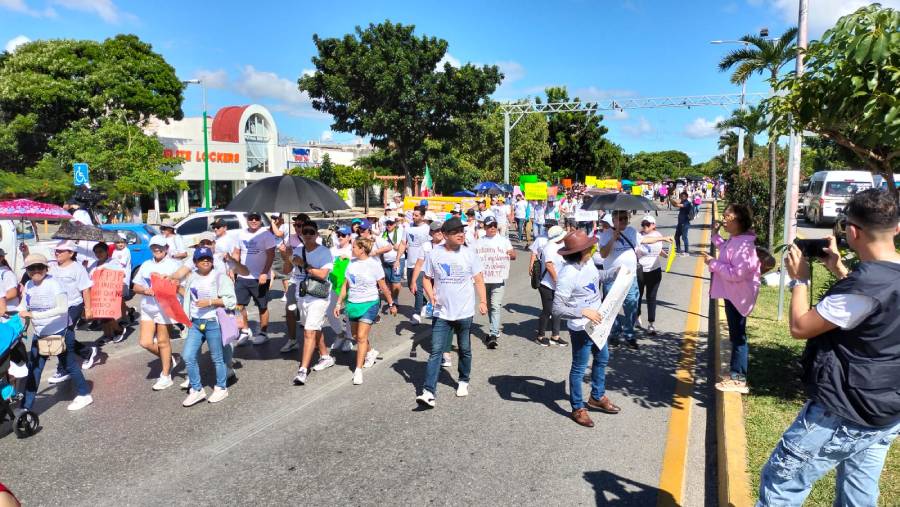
x,y
494,191
619,201
76,231
287,194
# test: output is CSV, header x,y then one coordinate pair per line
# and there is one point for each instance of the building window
x,y
256,135
195,194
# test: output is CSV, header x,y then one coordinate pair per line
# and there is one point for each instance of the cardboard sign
x,y
441,204
590,181
106,293
637,190
536,191
494,262
610,307
166,293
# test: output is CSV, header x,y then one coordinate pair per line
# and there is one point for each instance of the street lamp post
x,y
207,196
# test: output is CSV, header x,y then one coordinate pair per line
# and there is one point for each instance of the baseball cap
x,y
356,221
490,220
66,245
649,218
365,226
436,226
218,223
344,230
253,214
452,224
423,202
2,252
158,240
35,258
390,220
203,252
168,223
391,205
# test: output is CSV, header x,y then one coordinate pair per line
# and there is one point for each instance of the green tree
x,y
657,165
326,171
47,85
758,56
751,120
850,90
577,145
352,177
728,141
383,82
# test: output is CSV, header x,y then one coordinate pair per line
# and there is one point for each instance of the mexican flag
x,y
427,184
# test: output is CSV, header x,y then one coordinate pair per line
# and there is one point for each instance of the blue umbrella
x,y
485,186
464,193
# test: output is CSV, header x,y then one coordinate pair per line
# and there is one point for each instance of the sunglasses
x,y
339,235
204,259
254,219
35,268
456,231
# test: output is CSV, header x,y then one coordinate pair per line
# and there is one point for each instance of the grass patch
x,y
776,396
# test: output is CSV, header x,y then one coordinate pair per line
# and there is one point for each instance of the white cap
x,y
607,219
158,240
649,218
66,245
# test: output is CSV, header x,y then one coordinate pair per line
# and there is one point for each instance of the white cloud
x,y
701,128
258,84
448,58
15,42
327,135
512,71
594,94
22,8
642,128
822,13
308,72
618,115
106,9
213,78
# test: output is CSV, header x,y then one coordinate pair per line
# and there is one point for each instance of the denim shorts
x,y
390,276
370,315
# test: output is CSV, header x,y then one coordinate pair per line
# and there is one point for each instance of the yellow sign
x,y
637,190
536,191
609,184
671,258
440,204
591,181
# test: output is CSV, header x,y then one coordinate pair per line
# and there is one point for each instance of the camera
x,y
812,248
87,197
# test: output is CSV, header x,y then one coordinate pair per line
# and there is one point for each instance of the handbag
x,y
227,322
312,286
537,275
766,260
52,345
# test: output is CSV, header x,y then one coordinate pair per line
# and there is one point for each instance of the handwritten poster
x,y
106,293
494,262
610,307
166,293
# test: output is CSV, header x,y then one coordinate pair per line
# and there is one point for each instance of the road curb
x,y
731,437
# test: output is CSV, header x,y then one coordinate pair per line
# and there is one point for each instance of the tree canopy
x,y
657,165
384,82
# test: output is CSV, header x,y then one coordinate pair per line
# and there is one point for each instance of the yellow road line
x,y
671,477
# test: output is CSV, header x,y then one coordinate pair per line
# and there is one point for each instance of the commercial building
x,y
243,148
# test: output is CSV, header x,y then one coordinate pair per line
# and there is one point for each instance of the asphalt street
x,y
510,442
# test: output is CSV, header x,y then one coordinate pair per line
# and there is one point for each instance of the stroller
x,y
12,350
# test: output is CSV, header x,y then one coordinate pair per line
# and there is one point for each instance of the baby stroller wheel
x,y
26,424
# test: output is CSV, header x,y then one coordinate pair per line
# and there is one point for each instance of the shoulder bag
x,y
53,345
227,322
311,285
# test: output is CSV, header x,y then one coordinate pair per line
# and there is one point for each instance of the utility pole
x,y
207,196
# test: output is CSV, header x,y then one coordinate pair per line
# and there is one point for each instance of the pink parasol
x,y
26,209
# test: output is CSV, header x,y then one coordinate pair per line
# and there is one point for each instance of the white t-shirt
x,y
580,285
521,209
622,253
481,215
649,258
362,280
538,245
8,281
550,253
846,310
40,298
122,258
82,216
165,267
392,239
539,214
472,233
416,236
493,253
225,244
73,279
176,245
317,259
346,252
204,287
501,213
454,287
254,247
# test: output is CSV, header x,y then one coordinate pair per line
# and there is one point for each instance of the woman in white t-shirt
x,y
315,263
46,303
154,330
362,281
650,274
121,255
342,249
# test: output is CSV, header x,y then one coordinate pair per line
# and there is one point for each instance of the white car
x,y
192,225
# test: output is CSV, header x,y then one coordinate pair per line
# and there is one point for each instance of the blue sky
x,y
254,51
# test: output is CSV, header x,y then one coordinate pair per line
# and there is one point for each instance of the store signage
x,y
222,157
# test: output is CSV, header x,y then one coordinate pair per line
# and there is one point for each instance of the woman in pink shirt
x,y
735,277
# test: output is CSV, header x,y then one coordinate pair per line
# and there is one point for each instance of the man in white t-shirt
x,y
520,211
282,233
256,249
453,278
503,213
617,246
390,250
495,252
482,212
416,236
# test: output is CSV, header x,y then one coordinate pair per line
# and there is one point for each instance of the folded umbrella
x,y
287,194
619,201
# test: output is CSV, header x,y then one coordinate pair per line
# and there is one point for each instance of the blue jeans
x,y
582,350
420,289
624,324
495,305
737,334
681,235
520,228
69,362
818,441
537,230
441,336
213,337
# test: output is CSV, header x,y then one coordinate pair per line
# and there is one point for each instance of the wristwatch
x,y
794,283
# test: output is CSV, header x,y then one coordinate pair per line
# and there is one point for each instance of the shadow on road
x,y
614,490
531,389
413,372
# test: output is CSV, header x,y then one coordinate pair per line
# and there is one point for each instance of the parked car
x,y
192,225
829,192
801,207
137,237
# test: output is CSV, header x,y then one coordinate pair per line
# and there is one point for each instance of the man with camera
x,y
851,364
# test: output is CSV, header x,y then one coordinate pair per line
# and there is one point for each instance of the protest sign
x,y
106,293
536,191
610,307
166,293
590,181
494,262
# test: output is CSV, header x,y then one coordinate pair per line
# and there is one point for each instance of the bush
x,y
749,184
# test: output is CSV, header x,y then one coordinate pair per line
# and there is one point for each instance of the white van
x,y
829,192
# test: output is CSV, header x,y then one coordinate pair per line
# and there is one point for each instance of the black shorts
x,y
246,289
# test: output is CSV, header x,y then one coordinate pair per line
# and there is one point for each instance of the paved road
x,y
271,443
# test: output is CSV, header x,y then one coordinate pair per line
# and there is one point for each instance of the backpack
x,y
538,274
692,213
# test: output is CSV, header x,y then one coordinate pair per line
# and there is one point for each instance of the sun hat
x,y
203,252
576,241
2,252
204,236
34,259
158,240
169,223
556,233
66,245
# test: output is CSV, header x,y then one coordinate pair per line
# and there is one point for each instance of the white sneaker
x,y
357,377
338,344
243,337
371,356
424,311
462,389
300,378
260,338
284,298
186,384
86,365
447,362
289,346
417,319
426,399
324,362
58,377
80,402
164,382
194,397
218,394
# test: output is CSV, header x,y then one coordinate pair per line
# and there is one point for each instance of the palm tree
x,y
750,120
756,57
728,141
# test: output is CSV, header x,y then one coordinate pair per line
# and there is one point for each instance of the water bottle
x,y
429,310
